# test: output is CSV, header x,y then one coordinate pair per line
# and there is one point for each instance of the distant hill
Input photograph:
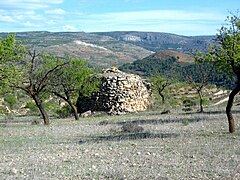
x,y
101,51
106,49
168,54
172,64
155,41
164,62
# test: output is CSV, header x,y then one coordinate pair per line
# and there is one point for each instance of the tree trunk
x,y
41,109
163,99
201,101
74,109
229,107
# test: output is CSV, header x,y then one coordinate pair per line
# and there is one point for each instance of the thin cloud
x,y
173,21
55,11
29,24
28,4
7,19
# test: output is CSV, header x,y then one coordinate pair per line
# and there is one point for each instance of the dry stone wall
x,y
120,93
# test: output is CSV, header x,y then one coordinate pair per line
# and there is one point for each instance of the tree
x,y
203,72
11,52
225,55
35,71
159,84
71,80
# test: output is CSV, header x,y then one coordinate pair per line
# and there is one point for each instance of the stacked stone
x,y
121,93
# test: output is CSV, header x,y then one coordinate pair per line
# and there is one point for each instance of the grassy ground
x,y
172,146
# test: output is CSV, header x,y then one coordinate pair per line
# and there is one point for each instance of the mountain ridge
x,y
106,49
155,41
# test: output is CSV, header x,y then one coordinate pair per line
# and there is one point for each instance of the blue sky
x,y
184,17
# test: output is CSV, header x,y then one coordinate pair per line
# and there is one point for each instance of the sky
x,y
183,17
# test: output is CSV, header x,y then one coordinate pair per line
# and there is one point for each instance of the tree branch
x,y
40,85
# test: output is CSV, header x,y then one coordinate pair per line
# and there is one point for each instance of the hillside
x,y
106,49
168,54
165,61
101,51
155,41
172,64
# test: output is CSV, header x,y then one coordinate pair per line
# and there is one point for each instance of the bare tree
x,y
202,75
35,71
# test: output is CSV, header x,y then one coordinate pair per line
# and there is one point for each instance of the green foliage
x,y
205,101
51,106
32,106
189,103
171,69
81,76
225,54
11,100
158,82
74,79
185,122
3,110
64,112
11,53
174,102
152,65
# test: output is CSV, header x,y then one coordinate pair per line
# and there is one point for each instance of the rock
x,y
86,114
119,93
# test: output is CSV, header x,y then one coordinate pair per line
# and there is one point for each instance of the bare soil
x,y
171,146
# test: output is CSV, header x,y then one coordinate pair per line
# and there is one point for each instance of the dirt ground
x,y
172,146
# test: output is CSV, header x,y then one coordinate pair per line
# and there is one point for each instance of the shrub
x,y
11,100
32,106
3,110
131,128
51,106
205,101
185,122
189,103
186,109
64,112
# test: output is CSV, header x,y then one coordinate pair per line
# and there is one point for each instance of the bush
x,y
131,128
189,103
186,109
3,110
205,101
32,106
64,112
11,100
51,106
185,122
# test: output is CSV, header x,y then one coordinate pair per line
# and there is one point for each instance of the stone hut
x,y
119,93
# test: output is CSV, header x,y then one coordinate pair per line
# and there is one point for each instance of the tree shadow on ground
x,y
162,121
126,136
210,112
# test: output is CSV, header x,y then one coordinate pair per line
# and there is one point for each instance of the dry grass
x,y
168,148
